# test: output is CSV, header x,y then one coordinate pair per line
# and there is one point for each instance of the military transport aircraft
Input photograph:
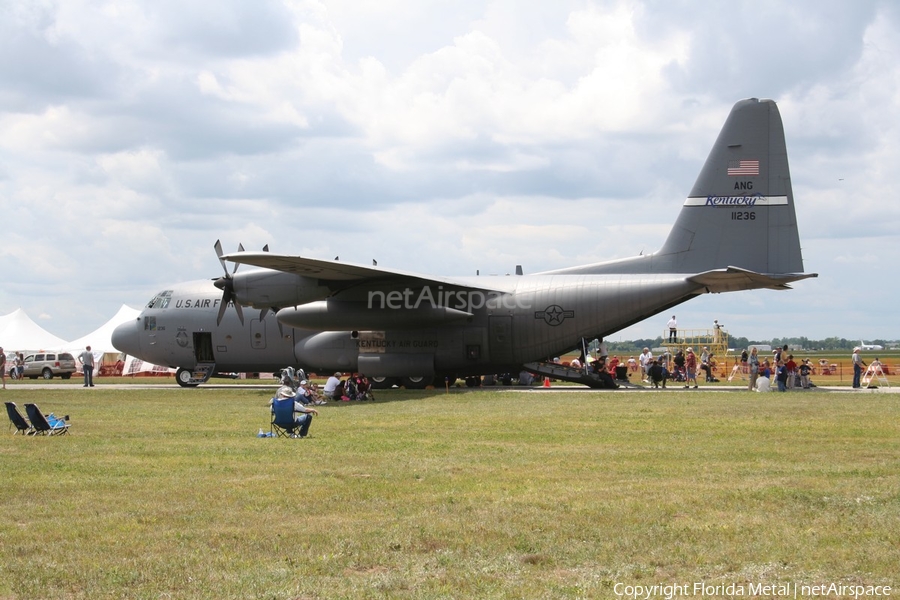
x,y
737,230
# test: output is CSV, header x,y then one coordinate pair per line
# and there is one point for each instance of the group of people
x,y
16,366
783,368
683,367
293,406
304,391
355,387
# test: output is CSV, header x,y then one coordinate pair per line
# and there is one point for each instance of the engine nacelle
x,y
334,314
267,289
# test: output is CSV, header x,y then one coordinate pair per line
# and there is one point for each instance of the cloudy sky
x,y
440,137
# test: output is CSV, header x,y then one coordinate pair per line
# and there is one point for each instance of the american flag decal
x,y
741,168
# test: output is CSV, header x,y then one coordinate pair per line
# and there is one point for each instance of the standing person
x,y
673,329
690,366
3,367
87,365
781,375
790,366
805,369
632,365
704,364
20,366
645,358
753,361
679,365
717,329
858,365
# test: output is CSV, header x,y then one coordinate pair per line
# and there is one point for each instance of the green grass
x,y
168,493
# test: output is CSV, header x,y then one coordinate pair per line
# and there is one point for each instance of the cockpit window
x,y
161,300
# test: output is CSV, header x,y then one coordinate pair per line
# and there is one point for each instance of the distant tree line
x,y
737,342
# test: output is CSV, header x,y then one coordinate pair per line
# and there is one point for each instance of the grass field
x,y
168,493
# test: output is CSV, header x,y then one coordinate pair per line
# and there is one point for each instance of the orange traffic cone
x,y
546,382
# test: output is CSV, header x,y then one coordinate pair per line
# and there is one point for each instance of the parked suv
x,y
48,364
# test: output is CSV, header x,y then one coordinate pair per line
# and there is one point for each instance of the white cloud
x,y
546,134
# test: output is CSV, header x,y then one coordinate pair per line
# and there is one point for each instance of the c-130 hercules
x,y
737,230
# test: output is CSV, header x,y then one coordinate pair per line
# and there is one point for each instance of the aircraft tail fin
x,y
740,211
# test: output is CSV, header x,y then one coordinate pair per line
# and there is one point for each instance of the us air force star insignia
x,y
182,338
554,315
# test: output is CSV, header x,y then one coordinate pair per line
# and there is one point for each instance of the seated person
x,y
350,391
612,364
333,388
805,369
657,373
291,414
288,378
763,384
303,393
603,375
363,387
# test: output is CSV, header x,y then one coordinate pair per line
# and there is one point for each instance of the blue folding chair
x,y
283,422
15,418
44,426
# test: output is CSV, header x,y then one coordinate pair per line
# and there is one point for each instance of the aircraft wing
x,y
732,279
345,273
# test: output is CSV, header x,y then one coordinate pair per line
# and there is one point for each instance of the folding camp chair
x,y
283,422
16,418
44,426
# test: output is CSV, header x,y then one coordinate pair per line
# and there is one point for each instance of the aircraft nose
x,y
125,338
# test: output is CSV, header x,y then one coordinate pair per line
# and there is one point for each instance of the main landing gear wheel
x,y
183,377
381,383
416,382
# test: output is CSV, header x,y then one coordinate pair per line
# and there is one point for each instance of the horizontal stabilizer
x,y
733,279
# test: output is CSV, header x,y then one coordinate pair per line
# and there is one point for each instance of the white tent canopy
x,y
18,333
100,340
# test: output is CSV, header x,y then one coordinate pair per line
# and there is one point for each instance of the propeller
x,y
226,284
262,315
265,311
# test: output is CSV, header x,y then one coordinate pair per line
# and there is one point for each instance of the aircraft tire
x,y
183,377
416,382
382,383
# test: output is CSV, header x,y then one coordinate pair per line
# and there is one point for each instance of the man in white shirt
x,y
673,329
646,358
331,386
